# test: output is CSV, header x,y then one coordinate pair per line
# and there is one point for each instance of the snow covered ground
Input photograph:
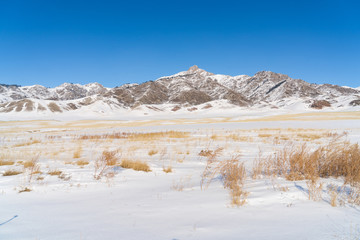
x,y
65,201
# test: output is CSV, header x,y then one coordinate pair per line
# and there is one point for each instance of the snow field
x,y
128,204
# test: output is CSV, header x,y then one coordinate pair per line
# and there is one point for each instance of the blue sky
x,y
116,42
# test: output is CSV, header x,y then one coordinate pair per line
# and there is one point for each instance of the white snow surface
x,y
139,205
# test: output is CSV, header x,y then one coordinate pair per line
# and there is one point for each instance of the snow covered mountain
x,y
186,89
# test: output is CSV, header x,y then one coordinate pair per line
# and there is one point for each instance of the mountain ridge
x,y
185,89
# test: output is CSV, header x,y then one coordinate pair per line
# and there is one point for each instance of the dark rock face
x,y
70,91
355,103
193,97
320,104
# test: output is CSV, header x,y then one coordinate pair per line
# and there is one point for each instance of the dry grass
x,y
231,171
27,143
26,189
11,172
6,163
298,162
238,138
152,152
314,189
214,137
116,135
55,173
135,165
211,154
333,198
77,153
178,186
258,166
105,162
157,135
265,135
353,196
82,162
309,136
32,167
233,174
168,169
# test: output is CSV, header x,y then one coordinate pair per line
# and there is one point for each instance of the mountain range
x,y
192,90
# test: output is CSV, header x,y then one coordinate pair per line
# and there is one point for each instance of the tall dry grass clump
x,y
337,159
301,162
77,152
105,162
232,173
32,167
212,160
258,166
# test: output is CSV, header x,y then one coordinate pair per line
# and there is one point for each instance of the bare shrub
x,y
105,162
314,189
209,173
32,167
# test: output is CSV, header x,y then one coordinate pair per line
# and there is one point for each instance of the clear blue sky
x,y
114,42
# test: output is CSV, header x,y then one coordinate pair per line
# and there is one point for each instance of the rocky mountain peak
x,y
193,69
271,75
198,71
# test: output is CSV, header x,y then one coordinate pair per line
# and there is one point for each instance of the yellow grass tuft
x,y
152,152
82,162
26,189
77,153
11,173
135,165
168,169
6,163
55,173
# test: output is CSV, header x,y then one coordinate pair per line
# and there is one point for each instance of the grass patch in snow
x,y
11,172
135,165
